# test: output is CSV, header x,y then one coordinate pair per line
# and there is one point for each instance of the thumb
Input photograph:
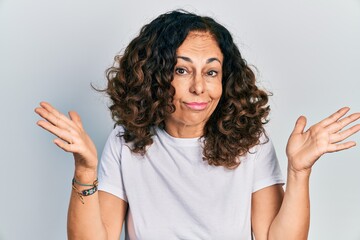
x,y
75,117
299,125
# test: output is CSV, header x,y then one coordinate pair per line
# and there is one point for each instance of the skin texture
x,y
275,214
197,83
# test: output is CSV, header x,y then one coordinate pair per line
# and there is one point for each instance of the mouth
x,y
198,106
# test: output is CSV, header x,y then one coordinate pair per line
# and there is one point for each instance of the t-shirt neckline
x,y
178,141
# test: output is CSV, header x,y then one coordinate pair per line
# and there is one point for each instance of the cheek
x,y
219,91
180,90
216,90
177,95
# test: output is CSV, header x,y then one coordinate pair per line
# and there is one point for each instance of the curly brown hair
x,y
139,85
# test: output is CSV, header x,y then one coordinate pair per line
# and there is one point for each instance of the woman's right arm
x,y
102,214
100,217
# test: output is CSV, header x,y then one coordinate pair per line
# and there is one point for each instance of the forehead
x,y
199,34
200,42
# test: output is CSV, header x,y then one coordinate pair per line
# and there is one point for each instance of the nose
x,y
198,84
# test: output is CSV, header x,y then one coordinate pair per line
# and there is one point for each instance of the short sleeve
x,y
267,171
110,171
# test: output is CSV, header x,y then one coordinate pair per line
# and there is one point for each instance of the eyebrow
x,y
207,61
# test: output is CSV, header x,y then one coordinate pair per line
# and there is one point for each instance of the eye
x,y
181,71
212,73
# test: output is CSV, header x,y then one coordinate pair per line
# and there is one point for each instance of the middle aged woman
x,y
189,158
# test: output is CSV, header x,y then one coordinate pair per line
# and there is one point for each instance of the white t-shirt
x,y
173,194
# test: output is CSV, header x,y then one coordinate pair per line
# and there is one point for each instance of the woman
x,y
189,157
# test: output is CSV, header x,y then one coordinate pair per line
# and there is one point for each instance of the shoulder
x,y
115,140
116,134
264,148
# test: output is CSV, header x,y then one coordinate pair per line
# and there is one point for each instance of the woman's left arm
x,y
291,216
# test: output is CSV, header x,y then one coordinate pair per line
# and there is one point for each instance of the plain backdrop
x,y
307,54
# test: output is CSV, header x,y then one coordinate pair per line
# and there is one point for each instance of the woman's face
x,y
197,82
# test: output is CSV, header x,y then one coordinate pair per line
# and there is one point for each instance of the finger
x,y
340,136
51,118
44,113
64,134
299,125
49,113
338,125
58,117
341,146
75,117
334,117
67,147
50,109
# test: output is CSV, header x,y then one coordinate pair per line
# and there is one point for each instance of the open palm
x,y
71,135
304,148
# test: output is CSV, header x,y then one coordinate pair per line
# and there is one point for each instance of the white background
x,y
307,53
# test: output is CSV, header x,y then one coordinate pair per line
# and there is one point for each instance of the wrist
x,y
81,191
297,181
86,176
298,167
299,174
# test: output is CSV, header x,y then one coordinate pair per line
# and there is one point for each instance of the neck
x,y
185,131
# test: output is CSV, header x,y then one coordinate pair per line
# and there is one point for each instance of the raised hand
x,y
71,136
305,148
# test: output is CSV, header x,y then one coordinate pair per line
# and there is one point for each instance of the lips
x,y
196,105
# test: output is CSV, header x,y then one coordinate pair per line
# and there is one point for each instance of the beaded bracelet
x,y
86,192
